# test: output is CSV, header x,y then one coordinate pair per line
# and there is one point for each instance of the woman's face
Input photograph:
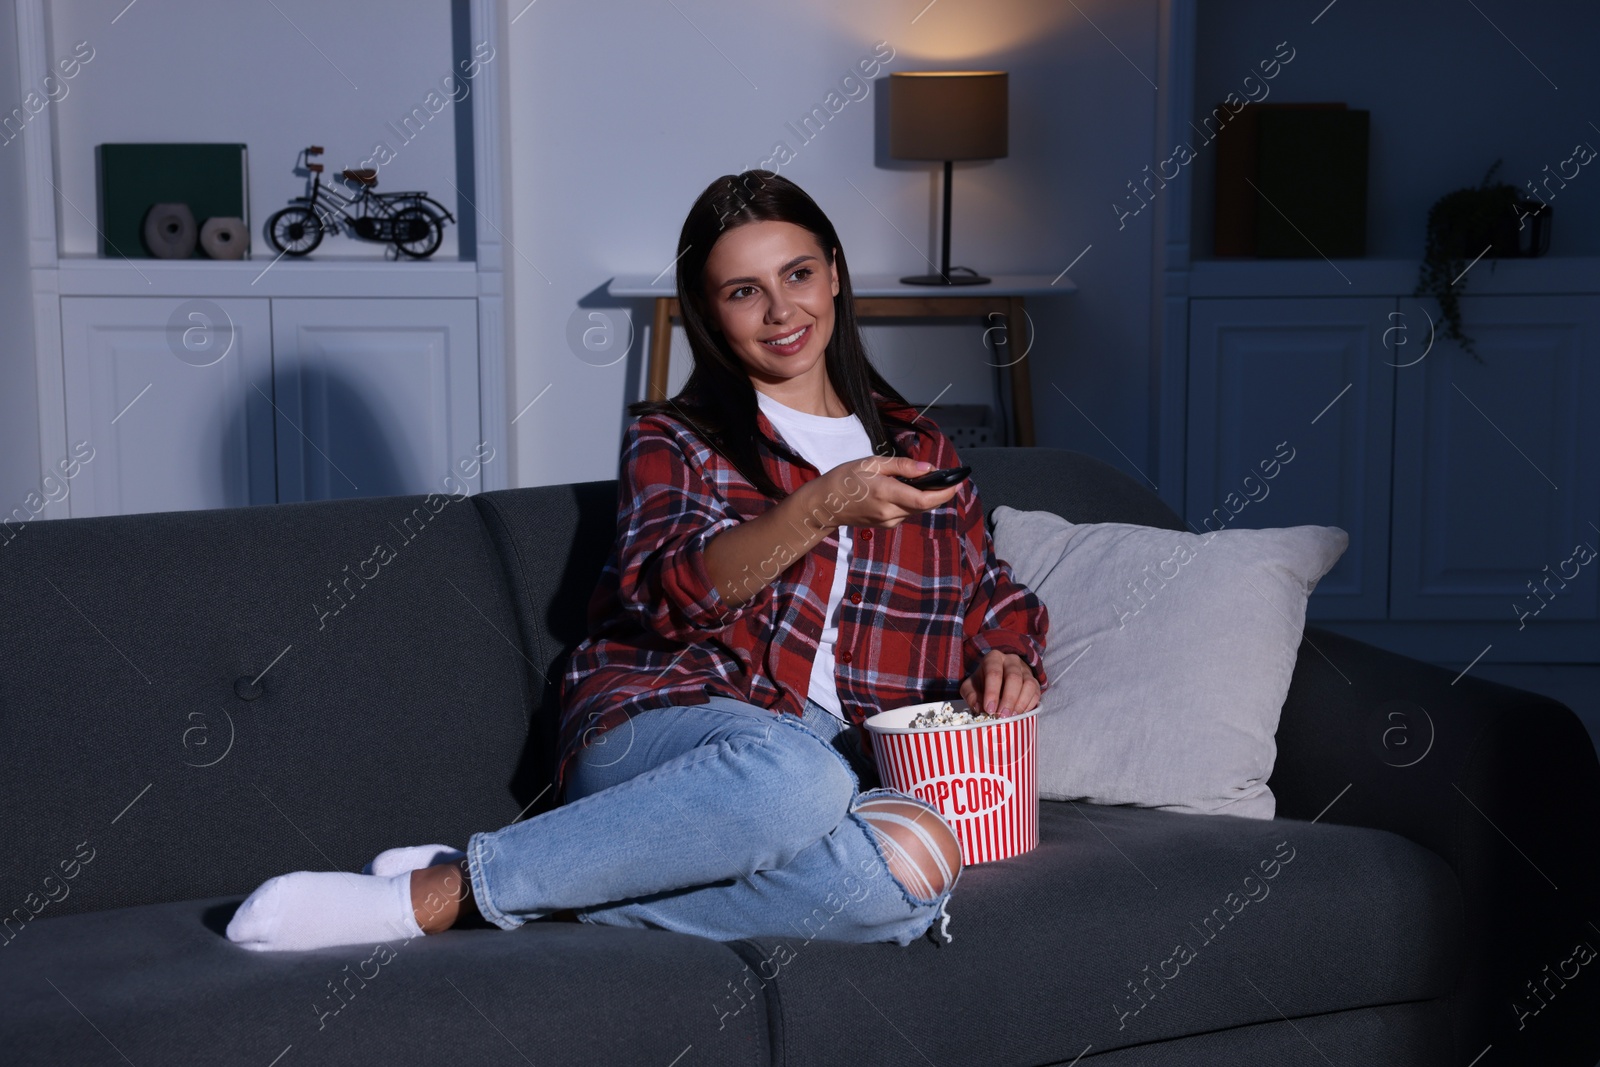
x,y
767,282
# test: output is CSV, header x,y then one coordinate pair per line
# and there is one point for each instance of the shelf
x,y
264,277
1385,277
274,77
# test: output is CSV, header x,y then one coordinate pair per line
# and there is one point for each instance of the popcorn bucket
x,y
979,776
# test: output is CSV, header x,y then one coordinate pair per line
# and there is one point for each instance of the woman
x,y
761,601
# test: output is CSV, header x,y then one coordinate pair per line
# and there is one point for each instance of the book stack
x,y
1292,182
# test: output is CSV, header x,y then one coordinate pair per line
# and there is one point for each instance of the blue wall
x,y
1448,93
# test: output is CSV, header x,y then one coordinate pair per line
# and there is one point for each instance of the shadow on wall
x,y
328,436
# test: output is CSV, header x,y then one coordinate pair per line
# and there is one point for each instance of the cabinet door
x,y
173,396
1497,466
375,397
1301,389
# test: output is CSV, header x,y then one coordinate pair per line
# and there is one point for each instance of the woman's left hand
x,y
1003,681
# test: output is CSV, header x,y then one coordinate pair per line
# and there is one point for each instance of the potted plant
x,y
1467,224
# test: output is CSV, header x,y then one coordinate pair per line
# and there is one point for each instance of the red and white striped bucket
x,y
981,777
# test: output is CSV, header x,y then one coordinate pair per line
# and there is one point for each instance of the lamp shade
x,y
945,115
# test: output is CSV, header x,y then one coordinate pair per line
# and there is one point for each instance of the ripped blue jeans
x,y
721,820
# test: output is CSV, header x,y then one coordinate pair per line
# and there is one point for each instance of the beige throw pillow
x,y
1169,655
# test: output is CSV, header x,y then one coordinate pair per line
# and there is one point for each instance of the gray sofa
x,y
187,707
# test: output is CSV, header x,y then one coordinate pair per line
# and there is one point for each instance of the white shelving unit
x,y
412,354
1460,480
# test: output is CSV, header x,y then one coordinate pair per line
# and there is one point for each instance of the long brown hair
x,y
719,400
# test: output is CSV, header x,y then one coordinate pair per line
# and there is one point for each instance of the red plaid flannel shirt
x,y
923,602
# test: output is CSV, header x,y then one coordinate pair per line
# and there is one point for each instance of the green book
x,y
1311,167
213,179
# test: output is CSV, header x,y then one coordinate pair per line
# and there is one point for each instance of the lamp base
x,y
940,279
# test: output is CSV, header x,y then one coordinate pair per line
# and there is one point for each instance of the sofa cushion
x,y
125,674
1074,944
1170,654
161,984
553,541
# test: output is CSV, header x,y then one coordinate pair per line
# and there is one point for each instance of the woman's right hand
x,y
869,492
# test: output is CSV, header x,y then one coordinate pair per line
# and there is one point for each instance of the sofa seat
x,y
1351,919
160,983
1357,919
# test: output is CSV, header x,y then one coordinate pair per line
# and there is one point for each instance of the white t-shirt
x,y
824,443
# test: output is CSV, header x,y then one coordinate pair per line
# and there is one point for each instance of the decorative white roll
x,y
223,237
169,231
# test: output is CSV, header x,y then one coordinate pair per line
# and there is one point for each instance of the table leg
x,y
660,350
1017,341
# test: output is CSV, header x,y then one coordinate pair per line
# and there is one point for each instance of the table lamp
x,y
946,116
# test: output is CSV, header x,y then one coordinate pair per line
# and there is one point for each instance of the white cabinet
x,y
386,373
1497,466
1467,486
1493,476
1305,380
210,403
375,397
173,397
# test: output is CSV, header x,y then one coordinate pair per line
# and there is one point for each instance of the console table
x,y
881,297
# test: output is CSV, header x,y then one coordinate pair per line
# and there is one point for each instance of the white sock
x,y
321,909
411,858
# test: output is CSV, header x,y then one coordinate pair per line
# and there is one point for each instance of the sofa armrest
x,y
1503,785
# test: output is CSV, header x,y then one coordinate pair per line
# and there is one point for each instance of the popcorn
x,y
946,715
979,772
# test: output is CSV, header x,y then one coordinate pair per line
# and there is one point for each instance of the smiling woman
x,y
760,503
779,323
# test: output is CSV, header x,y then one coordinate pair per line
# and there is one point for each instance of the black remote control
x,y
940,479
